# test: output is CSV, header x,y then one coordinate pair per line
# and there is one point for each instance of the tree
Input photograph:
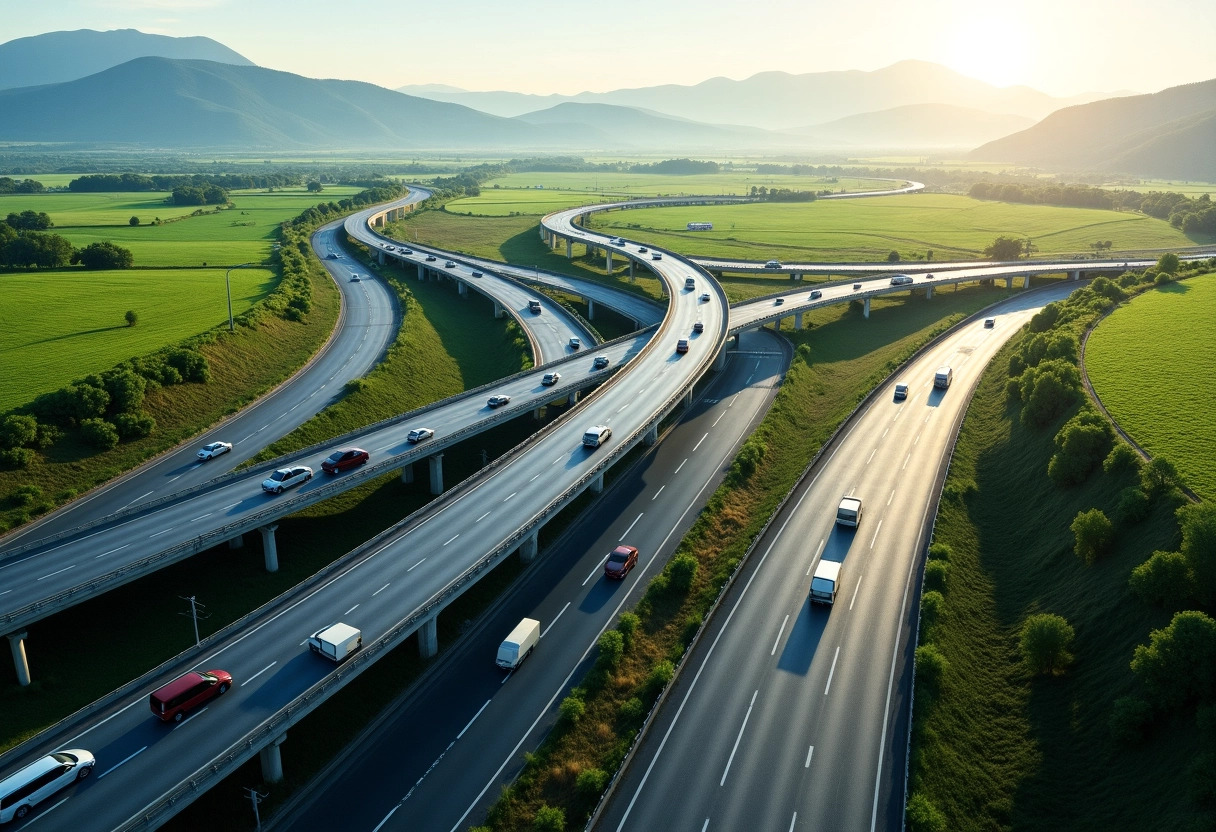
x,y
133,221
1198,523
1045,641
17,431
99,433
315,187
1028,247
1004,248
1158,476
30,221
131,317
103,255
1093,532
1178,665
1166,263
893,257
1081,444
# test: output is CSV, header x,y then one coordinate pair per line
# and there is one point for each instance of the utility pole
x,y
197,611
228,286
255,798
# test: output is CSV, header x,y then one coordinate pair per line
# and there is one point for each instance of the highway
x,y
789,716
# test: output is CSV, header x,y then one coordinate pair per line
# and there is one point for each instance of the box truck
x,y
849,512
336,642
826,582
521,642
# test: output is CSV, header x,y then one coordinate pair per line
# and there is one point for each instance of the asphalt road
x,y
789,716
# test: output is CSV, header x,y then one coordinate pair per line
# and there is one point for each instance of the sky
x,y
1061,47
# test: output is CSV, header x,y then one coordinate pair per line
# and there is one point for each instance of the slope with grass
x,y
952,227
611,186
1153,365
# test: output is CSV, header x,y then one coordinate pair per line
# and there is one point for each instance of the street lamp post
x,y
228,286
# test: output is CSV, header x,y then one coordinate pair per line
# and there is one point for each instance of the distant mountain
x,y
65,56
778,100
160,102
1169,134
935,126
626,127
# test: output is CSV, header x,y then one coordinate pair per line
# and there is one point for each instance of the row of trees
x,y
137,182
29,221
9,185
782,194
205,193
21,249
1191,215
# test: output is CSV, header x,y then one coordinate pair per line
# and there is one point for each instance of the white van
x,y
519,644
336,642
826,582
25,789
690,284
849,512
596,435
943,377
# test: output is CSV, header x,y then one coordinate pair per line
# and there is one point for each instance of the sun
x,y
997,49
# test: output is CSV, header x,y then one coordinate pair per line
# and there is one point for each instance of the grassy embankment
x,y
996,747
1159,389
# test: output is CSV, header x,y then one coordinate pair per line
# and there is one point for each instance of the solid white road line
x,y
831,672
777,640
739,737
140,497
386,817
123,762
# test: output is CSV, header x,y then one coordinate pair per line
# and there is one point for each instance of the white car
x,y
448,264
705,297
498,401
285,478
213,450
418,434
26,788
550,379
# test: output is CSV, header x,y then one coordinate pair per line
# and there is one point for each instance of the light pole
x,y
228,286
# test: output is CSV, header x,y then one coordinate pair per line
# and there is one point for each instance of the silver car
x,y
285,478
213,450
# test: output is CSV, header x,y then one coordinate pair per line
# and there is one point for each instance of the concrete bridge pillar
x,y
866,311
1076,275
651,436
237,542
436,465
608,260
269,550
1026,282
720,361
407,473
572,399
428,637
272,760
797,321
16,643
591,307
421,272
929,293
498,310
528,548
462,288
381,258
569,248
596,486
1009,283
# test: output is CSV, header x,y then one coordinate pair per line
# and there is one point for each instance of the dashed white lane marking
x,y
742,727
703,438
809,752
857,590
545,631
450,539
203,516
126,760
381,589
817,551
681,465
631,525
482,517
416,565
260,672
657,493
53,574
103,554
831,672
165,531
474,719
352,609
875,537
509,496
777,641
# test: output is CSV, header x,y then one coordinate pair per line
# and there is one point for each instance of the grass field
x,y
1153,364
1000,749
867,229
71,323
613,185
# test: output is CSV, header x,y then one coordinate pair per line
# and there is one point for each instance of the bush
x,y
681,571
573,707
612,647
1161,279
923,816
99,433
1094,534
627,626
940,551
1178,665
1168,263
591,782
1162,579
1159,476
748,459
134,425
1081,444
633,710
1045,640
1130,719
17,431
1122,458
931,668
660,677
1133,505
1048,390
935,574
191,364
1198,522
549,819
16,457
932,610
25,495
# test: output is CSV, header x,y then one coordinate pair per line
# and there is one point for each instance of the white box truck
x,y
521,642
826,582
849,512
336,642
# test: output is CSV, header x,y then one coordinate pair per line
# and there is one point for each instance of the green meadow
x,y
952,227
614,185
1153,364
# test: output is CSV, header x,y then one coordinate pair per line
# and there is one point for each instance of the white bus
x,y
700,226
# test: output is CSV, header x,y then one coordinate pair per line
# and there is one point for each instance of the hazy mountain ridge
x,y
1170,134
56,57
917,126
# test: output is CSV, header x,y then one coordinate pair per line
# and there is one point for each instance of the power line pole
x,y
255,798
197,611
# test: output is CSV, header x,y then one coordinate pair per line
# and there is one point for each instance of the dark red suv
x,y
620,561
185,693
346,458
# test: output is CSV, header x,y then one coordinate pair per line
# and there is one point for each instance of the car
x,y
655,255
430,258
698,327
405,250
773,264
682,345
331,256
390,248
901,280
343,459
856,286
642,249
534,307
816,294
26,788
989,323
285,478
779,302
705,297
213,450
600,362
901,391
575,343
354,278
449,264
498,400
477,274
171,701
596,435
550,379
620,561
929,276
418,434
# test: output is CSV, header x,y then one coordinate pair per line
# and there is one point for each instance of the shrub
x,y
1178,665
549,819
16,457
191,364
660,676
131,317
1130,719
939,551
681,571
1045,640
48,435
932,610
134,425
1133,505
1162,279
935,574
126,389
24,495
748,459
931,668
633,709
17,430
1198,522
99,433
612,647
1168,263
591,782
1093,532
627,626
1159,476
923,816
1122,458
573,707
1162,579
1048,390
1081,443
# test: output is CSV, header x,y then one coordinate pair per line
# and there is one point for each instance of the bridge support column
x,y
608,260
1076,275
407,474
16,643
237,542
797,321
596,485
1009,283
929,293
591,308
272,760
428,637
631,269
381,258
720,360
569,248
689,398
269,550
1026,282
528,547
572,399
421,272
498,310
795,276
462,288
866,312
436,465
536,413
651,436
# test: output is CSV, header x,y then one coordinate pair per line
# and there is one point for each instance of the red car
x,y
620,561
346,458
185,693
